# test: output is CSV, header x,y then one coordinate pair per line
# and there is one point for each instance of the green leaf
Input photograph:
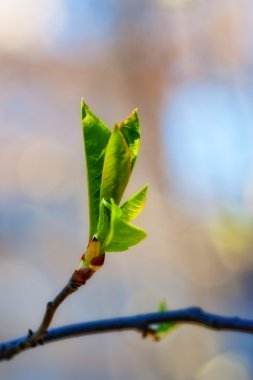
x,y
162,329
163,306
116,170
122,234
104,221
130,129
96,136
134,205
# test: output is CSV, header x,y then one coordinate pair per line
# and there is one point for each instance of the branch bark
x,y
143,323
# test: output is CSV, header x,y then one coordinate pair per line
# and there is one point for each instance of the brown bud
x,y
98,261
80,276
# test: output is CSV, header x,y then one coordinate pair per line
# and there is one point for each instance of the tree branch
x,y
78,278
144,323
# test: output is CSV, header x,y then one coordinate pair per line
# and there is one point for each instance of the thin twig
x,y
143,323
51,308
32,339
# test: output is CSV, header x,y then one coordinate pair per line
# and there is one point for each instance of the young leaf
x,y
116,170
162,329
96,137
104,221
130,129
122,234
133,206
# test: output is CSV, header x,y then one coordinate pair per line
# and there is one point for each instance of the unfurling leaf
x,y
134,205
130,128
96,136
122,234
163,329
116,170
104,221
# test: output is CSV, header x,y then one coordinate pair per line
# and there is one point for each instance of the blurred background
x,y
187,65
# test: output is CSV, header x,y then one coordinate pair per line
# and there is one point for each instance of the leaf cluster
x,y
110,159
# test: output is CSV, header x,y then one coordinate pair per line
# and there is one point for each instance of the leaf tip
x,y
145,187
84,109
135,113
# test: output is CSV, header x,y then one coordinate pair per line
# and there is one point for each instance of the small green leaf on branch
x,y
161,330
